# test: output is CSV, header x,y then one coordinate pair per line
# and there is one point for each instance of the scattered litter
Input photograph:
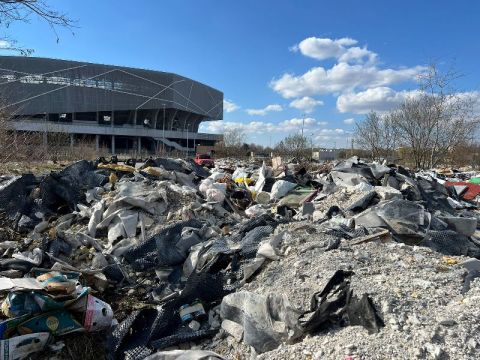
x,y
171,260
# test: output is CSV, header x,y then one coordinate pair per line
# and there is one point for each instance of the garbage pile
x,y
164,259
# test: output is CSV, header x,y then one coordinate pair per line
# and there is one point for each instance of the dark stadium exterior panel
x,y
113,98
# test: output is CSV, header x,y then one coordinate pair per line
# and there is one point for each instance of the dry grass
x,y
79,346
35,167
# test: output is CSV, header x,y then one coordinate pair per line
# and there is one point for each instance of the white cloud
x,y
265,110
333,136
474,98
333,131
229,106
297,123
376,99
349,121
4,44
340,49
306,104
341,77
252,127
257,127
312,129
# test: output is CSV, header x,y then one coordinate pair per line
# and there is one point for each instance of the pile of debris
x,y
167,260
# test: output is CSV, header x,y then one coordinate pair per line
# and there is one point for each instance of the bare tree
x,y
368,134
427,127
234,138
295,145
435,121
232,144
12,11
377,135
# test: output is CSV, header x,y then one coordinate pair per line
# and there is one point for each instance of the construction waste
x,y
164,259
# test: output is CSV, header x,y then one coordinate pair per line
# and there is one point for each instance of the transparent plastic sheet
x,y
160,249
406,220
185,355
362,203
352,167
379,170
267,320
340,178
248,237
247,253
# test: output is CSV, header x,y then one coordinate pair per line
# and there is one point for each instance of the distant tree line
x,y
234,145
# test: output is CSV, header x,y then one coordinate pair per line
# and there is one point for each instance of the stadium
x,y
119,108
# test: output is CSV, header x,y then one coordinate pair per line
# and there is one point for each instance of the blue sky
x,y
276,60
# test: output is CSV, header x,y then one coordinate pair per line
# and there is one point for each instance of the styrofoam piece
x,y
98,315
20,347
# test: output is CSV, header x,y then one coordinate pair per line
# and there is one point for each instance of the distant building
x,y
119,108
326,154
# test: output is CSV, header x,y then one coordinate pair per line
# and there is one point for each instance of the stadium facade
x,y
120,108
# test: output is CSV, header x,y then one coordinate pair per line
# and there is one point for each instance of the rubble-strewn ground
x,y
416,292
152,243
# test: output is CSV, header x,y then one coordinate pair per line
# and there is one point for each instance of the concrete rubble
x,y
165,259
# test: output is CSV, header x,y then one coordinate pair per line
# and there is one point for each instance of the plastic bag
x,y
281,188
212,190
215,195
255,210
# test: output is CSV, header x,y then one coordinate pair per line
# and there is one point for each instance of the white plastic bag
x,y
205,185
217,175
281,188
215,195
255,210
239,173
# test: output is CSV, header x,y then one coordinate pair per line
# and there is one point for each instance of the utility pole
x,y
303,123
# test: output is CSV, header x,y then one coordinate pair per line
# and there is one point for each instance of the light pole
x,y
163,132
187,144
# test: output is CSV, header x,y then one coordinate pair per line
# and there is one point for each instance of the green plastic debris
x,y
475,180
